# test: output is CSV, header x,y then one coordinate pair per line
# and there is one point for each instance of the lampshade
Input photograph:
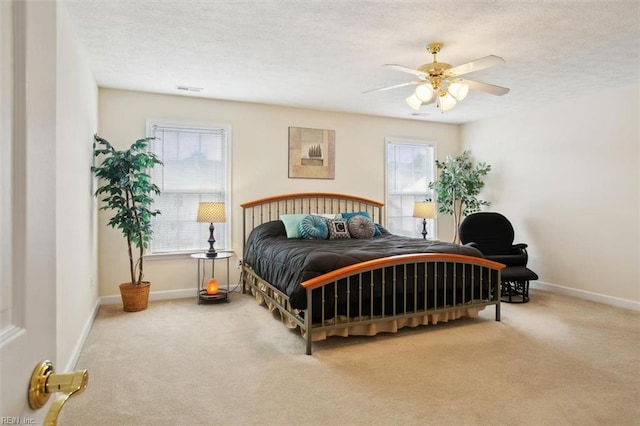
x,y
424,209
446,96
211,212
459,90
424,92
447,102
414,102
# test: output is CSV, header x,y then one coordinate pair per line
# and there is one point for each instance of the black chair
x,y
492,234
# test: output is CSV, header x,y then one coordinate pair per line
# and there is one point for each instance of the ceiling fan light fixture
x,y
414,102
447,102
458,90
440,83
424,92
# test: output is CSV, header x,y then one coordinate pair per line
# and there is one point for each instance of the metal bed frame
x,y
476,279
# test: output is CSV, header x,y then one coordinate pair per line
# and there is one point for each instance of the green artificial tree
x,y
127,191
458,187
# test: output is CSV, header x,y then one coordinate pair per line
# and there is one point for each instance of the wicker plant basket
x,y
135,297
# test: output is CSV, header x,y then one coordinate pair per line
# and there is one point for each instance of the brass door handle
x,y
44,382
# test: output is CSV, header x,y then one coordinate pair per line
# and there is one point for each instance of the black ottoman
x,y
515,284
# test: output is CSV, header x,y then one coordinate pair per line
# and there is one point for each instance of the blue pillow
x,y
348,216
292,224
314,227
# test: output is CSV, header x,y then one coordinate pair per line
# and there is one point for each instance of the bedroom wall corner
x,y
567,177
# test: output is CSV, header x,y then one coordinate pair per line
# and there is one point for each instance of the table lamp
x,y
425,210
211,212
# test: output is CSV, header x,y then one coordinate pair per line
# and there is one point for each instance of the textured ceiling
x,y
324,54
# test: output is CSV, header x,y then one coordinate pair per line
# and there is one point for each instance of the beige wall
x,y
76,219
567,177
260,155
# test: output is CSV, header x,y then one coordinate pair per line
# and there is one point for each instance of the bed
x,y
343,286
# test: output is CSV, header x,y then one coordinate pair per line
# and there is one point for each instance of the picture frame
x,y
311,153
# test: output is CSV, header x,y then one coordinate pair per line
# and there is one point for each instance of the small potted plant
x,y
127,190
458,187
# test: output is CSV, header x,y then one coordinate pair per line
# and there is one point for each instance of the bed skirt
x,y
359,329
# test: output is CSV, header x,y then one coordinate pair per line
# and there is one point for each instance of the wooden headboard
x,y
267,209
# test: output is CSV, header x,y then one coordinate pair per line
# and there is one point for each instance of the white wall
x,y
566,175
76,219
260,162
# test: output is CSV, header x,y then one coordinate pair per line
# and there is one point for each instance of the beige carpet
x,y
554,361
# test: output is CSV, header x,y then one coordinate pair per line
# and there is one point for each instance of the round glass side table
x,y
222,294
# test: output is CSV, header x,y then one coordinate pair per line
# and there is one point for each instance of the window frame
x,y
432,224
228,225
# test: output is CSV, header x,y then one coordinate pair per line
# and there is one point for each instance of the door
x,y
27,201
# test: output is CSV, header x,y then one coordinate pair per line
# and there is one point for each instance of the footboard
x,y
396,291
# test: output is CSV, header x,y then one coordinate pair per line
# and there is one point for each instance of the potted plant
x,y
127,191
458,187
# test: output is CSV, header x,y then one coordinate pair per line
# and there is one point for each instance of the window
x,y
410,166
196,167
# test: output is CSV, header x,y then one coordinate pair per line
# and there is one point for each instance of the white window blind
x,y
410,166
196,167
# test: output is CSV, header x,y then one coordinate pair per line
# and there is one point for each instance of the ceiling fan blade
x,y
382,89
477,65
404,69
485,87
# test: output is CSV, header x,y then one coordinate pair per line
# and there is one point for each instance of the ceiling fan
x,y
440,83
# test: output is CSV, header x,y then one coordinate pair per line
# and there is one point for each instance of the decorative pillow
x,y
314,227
348,216
292,224
338,229
361,227
327,215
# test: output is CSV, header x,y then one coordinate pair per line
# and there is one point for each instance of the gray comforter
x,y
285,263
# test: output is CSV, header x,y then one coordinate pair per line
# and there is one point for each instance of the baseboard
x,y
73,361
541,285
588,295
189,292
154,295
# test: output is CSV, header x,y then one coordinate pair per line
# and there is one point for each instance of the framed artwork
x,y
312,153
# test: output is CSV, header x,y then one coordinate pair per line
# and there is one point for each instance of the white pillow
x,y
328,215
